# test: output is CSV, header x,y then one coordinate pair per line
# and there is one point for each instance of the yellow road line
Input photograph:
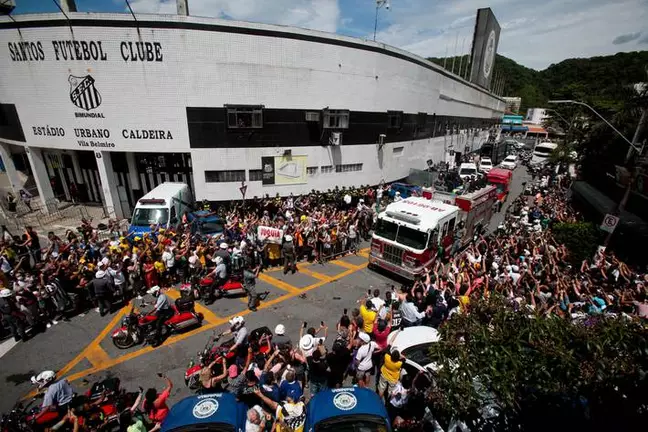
x,y
97,356
316,275
363,254
344,264
278,283
134,354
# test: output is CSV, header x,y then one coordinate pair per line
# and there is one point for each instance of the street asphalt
x,y
82,350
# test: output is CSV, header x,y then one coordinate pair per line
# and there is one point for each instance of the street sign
x,y
609,223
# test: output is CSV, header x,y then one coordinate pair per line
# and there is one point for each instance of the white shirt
x,y
377,302
118,276
169,259
364,356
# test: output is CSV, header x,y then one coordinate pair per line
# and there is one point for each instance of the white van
x,y
541,152
162,206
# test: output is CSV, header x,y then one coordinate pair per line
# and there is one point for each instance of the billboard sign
x,y
485,41
284,170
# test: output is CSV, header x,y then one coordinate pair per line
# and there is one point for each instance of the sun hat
x,y
100,274
280,329
4,293
153,290
223,245
306,342
364,337
288,238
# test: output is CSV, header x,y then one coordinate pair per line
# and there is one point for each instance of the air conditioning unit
x,y
312,116
335,139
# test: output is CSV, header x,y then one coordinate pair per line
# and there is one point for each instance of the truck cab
x,y
501,179
410,233
162,206
347,409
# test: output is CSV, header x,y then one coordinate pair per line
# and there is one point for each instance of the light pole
x,y
633,146
379,4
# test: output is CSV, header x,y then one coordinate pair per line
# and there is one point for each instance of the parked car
x,y
509,162
414,343
485,165
467,169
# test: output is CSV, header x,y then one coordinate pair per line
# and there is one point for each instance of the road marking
x,y
278,283
343,264
177,338
364,254
6,346
315,275
96,355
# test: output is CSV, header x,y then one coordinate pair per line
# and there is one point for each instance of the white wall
x,y
210,69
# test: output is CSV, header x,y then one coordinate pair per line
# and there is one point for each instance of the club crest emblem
x,y
83,92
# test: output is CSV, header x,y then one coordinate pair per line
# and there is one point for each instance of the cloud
x,y
644,40
625,38
313,14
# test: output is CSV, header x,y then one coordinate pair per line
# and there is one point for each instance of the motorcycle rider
x,y
240,333
224,253
218,275
59,394
11,315
163,311
288,252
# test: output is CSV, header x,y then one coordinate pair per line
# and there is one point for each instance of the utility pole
x,y
454,56
463,41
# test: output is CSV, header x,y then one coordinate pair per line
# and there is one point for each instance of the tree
x,y
502,369
580,238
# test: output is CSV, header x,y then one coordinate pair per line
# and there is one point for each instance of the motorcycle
x,y
233,286
101,407
137,327
260,339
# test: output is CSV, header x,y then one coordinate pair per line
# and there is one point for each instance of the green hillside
x,y
598,80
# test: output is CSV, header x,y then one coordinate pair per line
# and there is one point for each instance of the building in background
x,y
536,115
512,104
106,108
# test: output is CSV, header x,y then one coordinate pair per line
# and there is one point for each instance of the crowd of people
x,y
521,261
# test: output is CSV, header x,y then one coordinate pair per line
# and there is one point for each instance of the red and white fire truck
x,y
411,233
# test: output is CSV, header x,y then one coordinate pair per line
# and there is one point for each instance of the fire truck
x,y
411,233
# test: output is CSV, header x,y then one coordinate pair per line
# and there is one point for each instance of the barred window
x,y
327,169
311,170
348,168
256,175
336,119
421,119
224,176
395,119
244,117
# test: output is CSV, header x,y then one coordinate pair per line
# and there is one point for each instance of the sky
x,y
535,33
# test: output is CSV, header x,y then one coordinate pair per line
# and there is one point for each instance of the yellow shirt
x,y
368,318
296,419
391,369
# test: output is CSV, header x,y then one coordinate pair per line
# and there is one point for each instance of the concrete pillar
x,y
10,168
133,177
183,7
77,167
37,163
68,5
108,184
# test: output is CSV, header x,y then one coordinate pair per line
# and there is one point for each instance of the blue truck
x,y
217,412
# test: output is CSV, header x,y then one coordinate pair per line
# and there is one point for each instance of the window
x,y
348,168
256,175
386,229
411,237
224,176
326,169
395,119
398,151
144,216
451,225
311,171
421,119
244,117
444,232
336,119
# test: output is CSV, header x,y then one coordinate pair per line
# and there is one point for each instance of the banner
x,y
484,49
284,170
269,234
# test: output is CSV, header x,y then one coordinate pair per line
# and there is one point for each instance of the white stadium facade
x,y
117,105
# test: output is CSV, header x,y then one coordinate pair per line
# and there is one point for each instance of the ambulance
x,y
411,233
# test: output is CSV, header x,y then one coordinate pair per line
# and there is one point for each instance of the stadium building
x,y
115,104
